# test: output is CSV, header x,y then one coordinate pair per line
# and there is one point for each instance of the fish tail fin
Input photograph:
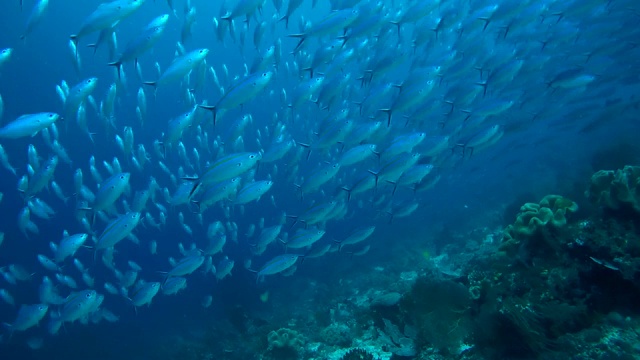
x,y
94,47
284,243
390,216
359,105
195,187
307,146
118,65
213,110
486,20
374,173
483,84
286,21
348,192
388,111
197,204
395,186
75,40
310,70
344,39
397,24
301,36
91,136
295,220
153,84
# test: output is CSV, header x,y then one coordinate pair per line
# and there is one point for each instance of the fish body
x,y
304,237
292,5
278,264
117,229
5,55
106,15
357,154
177,126
77,305
358,236
173,285
39,9
277,150
145,293
217,192
69,245
319,177
252,191
180,67
243,8
268,235
186,266
228,167
336,21
110,190
42,177
28,125
242,92
224,268
28,316
143,42
77,96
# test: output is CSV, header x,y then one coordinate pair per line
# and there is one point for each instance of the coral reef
x,y
284,343
550,211
386,299
617,190
336,334
536,227
549,286
357,354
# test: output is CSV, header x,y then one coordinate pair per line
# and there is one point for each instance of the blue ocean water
x,y
561,103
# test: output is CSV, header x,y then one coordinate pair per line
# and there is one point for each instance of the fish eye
x,y
50,115
201,51
88,295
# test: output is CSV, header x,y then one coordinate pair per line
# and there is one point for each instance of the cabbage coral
x,y
550,211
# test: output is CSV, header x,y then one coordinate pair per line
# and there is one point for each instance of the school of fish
x,y
339,118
